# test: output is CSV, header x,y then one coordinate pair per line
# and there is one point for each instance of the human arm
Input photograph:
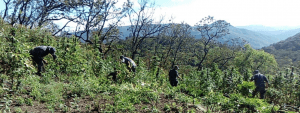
x,y
177,75
252,78
128,64
267,81
52,51
54,56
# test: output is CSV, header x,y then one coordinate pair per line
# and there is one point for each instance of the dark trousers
x,y
133,68
39,61
261,90
173,82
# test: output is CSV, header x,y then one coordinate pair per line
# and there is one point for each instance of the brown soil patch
x,y
89,105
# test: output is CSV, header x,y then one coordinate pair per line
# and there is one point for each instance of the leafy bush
x,y
273,95
246,88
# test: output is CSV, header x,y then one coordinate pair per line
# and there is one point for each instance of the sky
x,y
237,12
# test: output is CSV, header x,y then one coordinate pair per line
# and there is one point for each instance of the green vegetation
x,y
215,76
286,52
77,80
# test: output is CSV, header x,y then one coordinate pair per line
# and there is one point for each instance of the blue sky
x,y
237,12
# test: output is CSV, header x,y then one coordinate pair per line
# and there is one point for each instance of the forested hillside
x,y
215,77
287,51
278,33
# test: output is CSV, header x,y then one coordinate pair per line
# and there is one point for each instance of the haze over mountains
x,y
255,39
280,33
257,36
287,51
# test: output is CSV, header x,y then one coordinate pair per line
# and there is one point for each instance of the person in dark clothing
x,y
129,63
173,75
114,74
259,80
39,52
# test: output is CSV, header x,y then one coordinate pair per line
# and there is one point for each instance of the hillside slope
x,y
78,81
287,51
256,40
280,33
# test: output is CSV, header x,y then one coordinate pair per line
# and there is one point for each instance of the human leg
x,y
254,92
262,93
40,65
133,69
172,83
175,83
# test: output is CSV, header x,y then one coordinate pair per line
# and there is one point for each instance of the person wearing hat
x,y
173,75
129,63
39,52
259,80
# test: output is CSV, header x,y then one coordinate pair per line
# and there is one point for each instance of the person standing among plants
x,y
259,80
39,52
129,63
173,75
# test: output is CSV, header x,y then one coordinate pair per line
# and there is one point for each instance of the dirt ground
x,y
88,105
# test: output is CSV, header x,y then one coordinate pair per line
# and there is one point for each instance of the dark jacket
x,y
259,80
173,74
128,60
41,51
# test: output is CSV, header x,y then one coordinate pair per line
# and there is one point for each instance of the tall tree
x,y
143,24
174,40
95,16
37,13
210,30
250,59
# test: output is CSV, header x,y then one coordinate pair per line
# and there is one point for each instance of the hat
x,y
176,67
256,71
52,50
121,57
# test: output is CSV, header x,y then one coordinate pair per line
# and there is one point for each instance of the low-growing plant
x,y
18,110
65,109
29,101
145,107
20,101
110,108
167,108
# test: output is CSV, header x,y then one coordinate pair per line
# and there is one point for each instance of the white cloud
x,y
70,27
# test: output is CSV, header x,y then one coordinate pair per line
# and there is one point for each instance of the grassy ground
x,y
90,95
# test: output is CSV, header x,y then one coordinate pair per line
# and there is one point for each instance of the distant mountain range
x,y
290,44
267,28
287,51
257,39
257,36
280,33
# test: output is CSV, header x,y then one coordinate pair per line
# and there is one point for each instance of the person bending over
x,y
39,52
129,63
